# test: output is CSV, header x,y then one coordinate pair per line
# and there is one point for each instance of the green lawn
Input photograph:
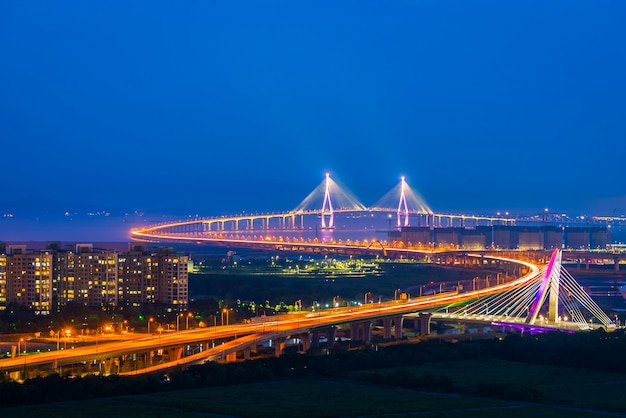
x,y
297,398
557,385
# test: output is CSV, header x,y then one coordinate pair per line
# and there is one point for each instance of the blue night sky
x,y
236,105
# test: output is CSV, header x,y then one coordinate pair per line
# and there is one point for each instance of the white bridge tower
x,y
327,206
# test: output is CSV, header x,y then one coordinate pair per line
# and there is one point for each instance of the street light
x,y
160,330
189,315
367,297
177,321
225,311
68,333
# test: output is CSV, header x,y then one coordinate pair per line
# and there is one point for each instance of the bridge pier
x,y
616,264
354,331
315,339
397,322
329,332
175,353
387,328
367,331
424,321
279,347
330,336
361,331
306,341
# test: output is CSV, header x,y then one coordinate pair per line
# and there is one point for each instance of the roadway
x,y
239,336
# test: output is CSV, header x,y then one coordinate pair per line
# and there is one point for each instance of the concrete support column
x,y
616,265
315,339
367,331
386,328
587,264
331,334
246,353
398,322
425,323
306,341
279,346
231,357
354,331
175,353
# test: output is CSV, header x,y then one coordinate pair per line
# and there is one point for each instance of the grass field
x,y
567,393
557,385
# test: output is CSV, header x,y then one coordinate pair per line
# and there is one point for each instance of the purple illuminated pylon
x,y
549,284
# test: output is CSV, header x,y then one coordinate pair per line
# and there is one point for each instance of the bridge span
x,y
286,222
323,203
201,231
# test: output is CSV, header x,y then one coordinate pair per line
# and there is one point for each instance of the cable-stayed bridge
x,y
329,198
549,299
325,201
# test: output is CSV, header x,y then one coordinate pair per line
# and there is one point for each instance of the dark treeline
x,y
388,365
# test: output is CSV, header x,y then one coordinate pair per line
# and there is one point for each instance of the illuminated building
x,y
136,276
3,280
86,276
28,278
153,277
173,283
45,280
505,237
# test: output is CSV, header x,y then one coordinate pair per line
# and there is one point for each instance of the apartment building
x,y
45,280
28,278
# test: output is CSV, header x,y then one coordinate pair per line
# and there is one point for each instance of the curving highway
x,y
240,336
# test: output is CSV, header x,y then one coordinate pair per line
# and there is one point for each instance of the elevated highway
x,y
198,345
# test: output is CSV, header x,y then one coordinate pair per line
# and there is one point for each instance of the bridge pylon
x,y
550,297
403,207
549,285
327,206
